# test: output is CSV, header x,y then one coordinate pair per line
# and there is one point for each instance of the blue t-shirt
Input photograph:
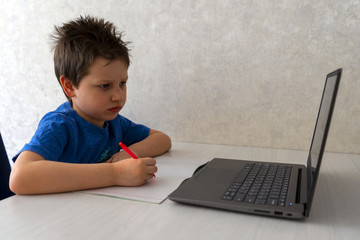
x,y
64,136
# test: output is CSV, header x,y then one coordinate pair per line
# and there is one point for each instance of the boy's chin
x,y
112,117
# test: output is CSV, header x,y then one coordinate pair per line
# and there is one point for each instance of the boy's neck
x,y
100,124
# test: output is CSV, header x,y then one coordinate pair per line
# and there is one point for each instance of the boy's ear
x,y
67,86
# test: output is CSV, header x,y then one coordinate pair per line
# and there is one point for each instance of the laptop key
x,y
263,197
272,202
250,199
239,197
227,198
260,201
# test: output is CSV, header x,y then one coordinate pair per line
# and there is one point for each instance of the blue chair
x,y
4,172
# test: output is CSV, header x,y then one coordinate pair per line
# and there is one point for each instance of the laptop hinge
x,y
298,186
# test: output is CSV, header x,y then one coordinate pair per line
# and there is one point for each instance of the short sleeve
x,y
132,132
50,137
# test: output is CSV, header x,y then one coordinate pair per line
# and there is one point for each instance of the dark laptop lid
x,y
4,172
320,133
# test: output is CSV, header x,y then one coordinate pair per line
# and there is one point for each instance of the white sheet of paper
x,y
171,172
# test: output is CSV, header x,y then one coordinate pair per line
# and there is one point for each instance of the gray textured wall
x,y
246,73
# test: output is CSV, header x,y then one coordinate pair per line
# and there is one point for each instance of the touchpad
x,y
215,175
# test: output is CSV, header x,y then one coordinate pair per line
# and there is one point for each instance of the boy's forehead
x,y
105,62
108,67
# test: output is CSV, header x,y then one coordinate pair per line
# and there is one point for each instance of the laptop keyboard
x,y
260,183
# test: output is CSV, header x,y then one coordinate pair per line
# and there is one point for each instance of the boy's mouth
x,y
115,109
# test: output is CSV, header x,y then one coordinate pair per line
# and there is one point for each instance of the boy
x,y
76,146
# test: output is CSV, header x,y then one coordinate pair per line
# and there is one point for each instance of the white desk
x,y
335,213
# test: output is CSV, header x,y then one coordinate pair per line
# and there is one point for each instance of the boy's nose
x,y
118,95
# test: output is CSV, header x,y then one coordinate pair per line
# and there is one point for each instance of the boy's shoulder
x,y
63,113
63,119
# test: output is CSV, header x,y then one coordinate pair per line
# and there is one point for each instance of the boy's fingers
x,y
152,169
150,161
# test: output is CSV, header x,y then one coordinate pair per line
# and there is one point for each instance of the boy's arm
x,y
31,174
155,144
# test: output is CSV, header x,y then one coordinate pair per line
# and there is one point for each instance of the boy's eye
x,y
122,84
104,85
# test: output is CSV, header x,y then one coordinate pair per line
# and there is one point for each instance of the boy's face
x,y
101,93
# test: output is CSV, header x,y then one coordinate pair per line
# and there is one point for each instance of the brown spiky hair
x,y
77,43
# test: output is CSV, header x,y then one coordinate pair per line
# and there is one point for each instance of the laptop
x,y
264,188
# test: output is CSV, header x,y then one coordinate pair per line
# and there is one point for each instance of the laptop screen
x,y
320,132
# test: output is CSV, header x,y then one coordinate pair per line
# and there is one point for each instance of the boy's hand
x,y
134,172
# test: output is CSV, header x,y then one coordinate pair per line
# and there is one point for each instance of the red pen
x,y
128,151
